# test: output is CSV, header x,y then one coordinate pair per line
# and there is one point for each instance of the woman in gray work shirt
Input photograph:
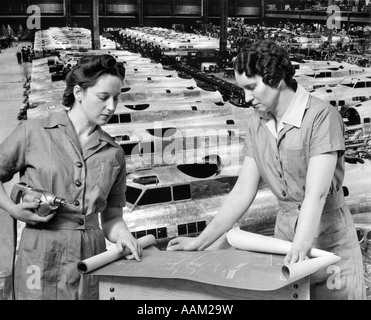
x,y
295,143
69,155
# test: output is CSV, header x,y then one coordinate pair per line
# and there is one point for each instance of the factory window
x,y
132,194
137,107
360,84
130,148
125,137
345,191
158,233
350,85
125,117
154,196
146,180
114,119
140,234
182,192
199,170
194,108
161,233
120,118
324,75
318,86
230,122
162,132
192,227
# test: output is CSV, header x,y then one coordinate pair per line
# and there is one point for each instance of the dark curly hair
x,y
88,71
268,60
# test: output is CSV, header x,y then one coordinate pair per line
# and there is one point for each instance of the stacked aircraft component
x,y
170,41
67,38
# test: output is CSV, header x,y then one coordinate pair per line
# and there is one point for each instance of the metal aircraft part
x,y
157,82
44,109
170,127
191,203
359,113
362,223
228,154
357,119
151,112
153,94
165,140
323,71
170,40
342,97
354,81
181,200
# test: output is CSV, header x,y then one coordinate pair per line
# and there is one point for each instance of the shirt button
x,y
80,222
283,193
276,157
79,164
76,203
78,183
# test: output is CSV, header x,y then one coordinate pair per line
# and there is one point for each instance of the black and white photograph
x,y
182,156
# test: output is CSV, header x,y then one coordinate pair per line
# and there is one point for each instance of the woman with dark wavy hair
x,y
295,143
69,155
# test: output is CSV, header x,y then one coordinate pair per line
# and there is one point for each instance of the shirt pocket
x,y
296,162
104,172
37,274
109,166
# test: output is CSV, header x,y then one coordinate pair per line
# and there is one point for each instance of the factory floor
x,y
12,79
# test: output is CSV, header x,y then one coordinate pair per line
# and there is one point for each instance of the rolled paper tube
x,y
245,240
304,268
108,256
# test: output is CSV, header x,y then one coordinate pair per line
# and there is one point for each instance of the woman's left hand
x,y
296,254
126,239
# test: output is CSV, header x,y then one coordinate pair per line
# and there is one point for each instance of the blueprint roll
x,y
110,255
319,259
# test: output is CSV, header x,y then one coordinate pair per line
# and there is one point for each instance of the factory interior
x,y
182,121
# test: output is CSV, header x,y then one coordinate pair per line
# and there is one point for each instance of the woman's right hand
x,y
25,211
183,244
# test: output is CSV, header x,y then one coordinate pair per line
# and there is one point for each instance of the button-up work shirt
x,y
309,127
48,156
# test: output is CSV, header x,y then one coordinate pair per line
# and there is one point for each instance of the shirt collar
x,y
60,118
293,114
295,111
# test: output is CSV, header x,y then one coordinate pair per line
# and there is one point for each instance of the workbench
x,y
200,275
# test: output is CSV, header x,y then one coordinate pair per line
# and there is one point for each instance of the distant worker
x,y
295,143
24,54
19,57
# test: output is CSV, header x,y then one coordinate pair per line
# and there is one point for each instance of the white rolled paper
x,y
108,256
244,240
